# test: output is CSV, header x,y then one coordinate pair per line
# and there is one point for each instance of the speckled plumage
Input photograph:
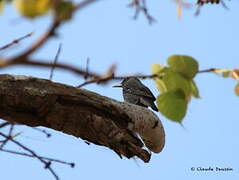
x,y
137,93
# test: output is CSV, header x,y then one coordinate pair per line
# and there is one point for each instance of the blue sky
x,y
106,33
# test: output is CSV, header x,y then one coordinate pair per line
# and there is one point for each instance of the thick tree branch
x,y
81,113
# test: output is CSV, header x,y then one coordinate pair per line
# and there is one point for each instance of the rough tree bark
x,y
81,113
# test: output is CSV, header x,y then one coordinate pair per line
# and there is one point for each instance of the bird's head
x,y
128,82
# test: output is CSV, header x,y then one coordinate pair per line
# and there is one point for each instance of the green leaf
x,y
160,85
185,65
173,105
175,81
237,89
194,88
64,10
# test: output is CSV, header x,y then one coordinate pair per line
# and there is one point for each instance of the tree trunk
x,y
81,113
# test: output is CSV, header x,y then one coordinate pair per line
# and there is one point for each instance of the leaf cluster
x,y
176,85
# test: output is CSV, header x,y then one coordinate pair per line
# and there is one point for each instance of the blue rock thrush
x,y
135,92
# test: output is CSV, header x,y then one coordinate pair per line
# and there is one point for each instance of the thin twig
x,y
9,136
41,63
207,70
45,158
4,124
36,45
47,164
55,61
16,41
140,6
84,4
109,75
87,68
105,78
42,131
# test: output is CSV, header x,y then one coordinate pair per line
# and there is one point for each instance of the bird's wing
x,y
141,91
146,92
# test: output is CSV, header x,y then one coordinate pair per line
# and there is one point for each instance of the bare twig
x,y
36,45
108,77
41,63
95,77
140,6
201,3
45,158
104,78
55,61
207,70
87,68
8,137
47,164
16,41
4,124
42,131
46,36
84,4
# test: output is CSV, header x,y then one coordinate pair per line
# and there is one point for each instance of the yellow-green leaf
x,y
194,88
160,85
185,65
1,6
173,105
156,68
32,8
237,89
175,81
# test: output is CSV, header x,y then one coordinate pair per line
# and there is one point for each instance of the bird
x,y
135,92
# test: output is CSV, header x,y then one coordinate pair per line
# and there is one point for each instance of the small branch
x,y
84,4
9,136
140,6
87,68
42,131
45,158
207,70
201,3
35,46
55,61
41,63
47,166
2,125
104,78
16,41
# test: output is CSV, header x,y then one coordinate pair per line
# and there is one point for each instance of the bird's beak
x,y
118,85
